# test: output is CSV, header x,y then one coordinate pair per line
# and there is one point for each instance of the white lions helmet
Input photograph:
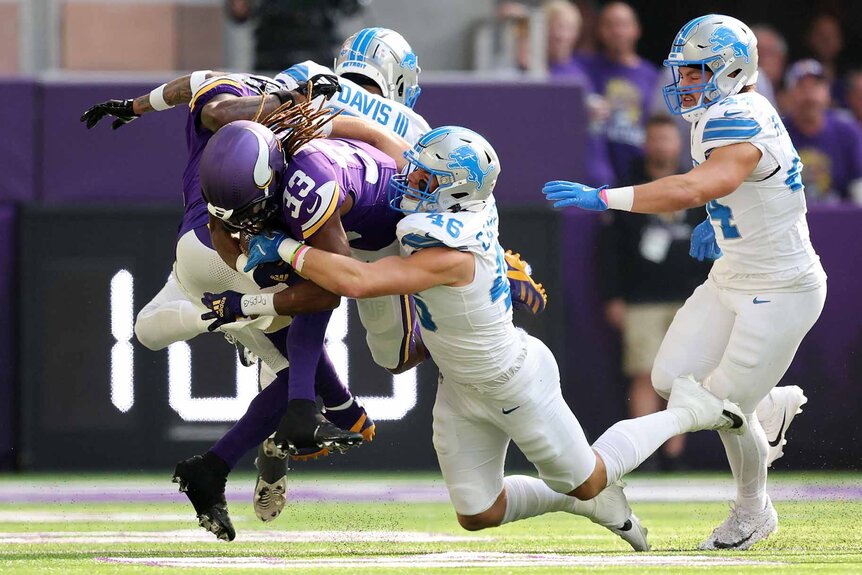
x,y
721,44
466,167
384,57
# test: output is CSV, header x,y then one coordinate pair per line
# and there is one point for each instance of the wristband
x,y
293,252
197,79
258,304
157,99
619,198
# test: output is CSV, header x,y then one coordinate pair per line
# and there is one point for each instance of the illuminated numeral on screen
x,y
206,408
382,408
122,328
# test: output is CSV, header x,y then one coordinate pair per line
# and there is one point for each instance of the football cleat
x,y
304,427
351,418
613,513
707,410
526,293
246,357
787,402
270,491
202,479
741,529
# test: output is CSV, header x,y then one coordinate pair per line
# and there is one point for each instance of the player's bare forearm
x,y
721,174
222,112
305,297
177,91
392,275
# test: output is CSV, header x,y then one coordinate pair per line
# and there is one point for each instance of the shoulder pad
x,y
464,231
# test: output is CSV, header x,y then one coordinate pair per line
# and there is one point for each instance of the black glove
x,y
225,307
274,273
325,85
121,109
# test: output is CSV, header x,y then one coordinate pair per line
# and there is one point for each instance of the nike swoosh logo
x,y
737,421
313,208
729,114
735,544
508,411
756,301
780,430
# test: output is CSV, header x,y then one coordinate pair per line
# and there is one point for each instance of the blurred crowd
x,y
820,102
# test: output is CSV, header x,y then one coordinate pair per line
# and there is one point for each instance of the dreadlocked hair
x,y
296,124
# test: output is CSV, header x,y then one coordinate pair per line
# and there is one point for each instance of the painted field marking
x,y
92,517
454,560
200,536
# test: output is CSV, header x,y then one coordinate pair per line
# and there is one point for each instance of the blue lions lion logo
x,y
409,61
723,37
464,157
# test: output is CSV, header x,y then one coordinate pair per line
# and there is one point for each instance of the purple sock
x,y
329,386
304,348
259,421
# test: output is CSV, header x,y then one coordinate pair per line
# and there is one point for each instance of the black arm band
x,y
284,96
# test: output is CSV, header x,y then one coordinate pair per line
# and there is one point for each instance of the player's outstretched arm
x,y
177,91
388,276
721,174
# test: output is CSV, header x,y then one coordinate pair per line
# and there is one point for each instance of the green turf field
x,y
75,525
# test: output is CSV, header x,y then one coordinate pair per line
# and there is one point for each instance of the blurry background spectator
x,y
771,62
647,274
625,80
829,141
825,42
853,94
291,31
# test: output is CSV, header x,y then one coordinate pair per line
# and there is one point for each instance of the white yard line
x,y
200,536
454,560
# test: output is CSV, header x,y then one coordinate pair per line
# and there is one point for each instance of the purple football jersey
x,y
197,135
322,174
832,157
629,91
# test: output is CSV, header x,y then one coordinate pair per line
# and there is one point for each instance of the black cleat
x,y
303,427
202,479
270,491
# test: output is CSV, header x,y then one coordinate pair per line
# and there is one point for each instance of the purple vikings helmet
x,y
242,169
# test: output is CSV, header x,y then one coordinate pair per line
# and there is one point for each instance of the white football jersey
x,y
467,329
355,100
760,227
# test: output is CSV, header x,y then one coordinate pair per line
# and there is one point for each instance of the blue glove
x,y
263,248
703,244
225,307
565,194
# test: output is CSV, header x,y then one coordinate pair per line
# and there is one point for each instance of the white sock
x,y
626,444
746,454
528,497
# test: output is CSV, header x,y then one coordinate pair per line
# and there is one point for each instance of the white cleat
x,y
742,530
270,491
786,403
613,513
707,410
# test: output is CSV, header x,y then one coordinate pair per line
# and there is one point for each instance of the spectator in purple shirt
x,y
564,26
825,42
829,141
626,81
